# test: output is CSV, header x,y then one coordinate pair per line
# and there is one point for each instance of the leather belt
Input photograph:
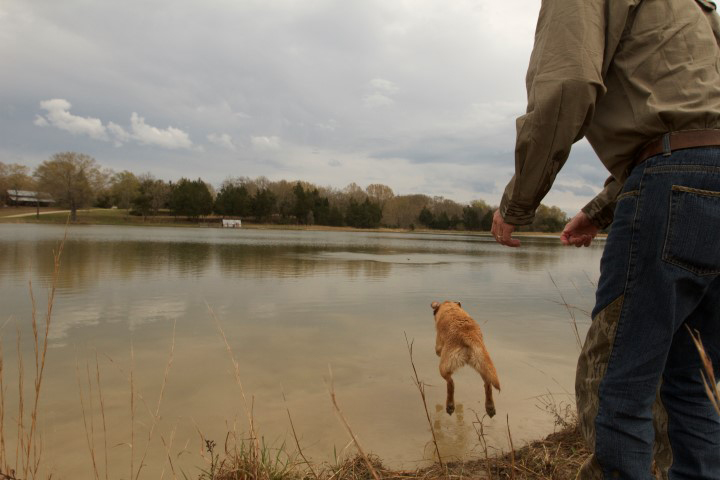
x,y
678,141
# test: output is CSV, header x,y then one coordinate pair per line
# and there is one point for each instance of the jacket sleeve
x,y
601,209
564,81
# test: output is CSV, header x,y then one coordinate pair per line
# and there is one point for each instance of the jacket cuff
x,y
601,209
514,214
599,215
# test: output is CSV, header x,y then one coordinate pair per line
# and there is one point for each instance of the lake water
x,y
291,304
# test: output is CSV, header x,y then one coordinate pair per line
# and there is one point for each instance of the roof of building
x,y
26,196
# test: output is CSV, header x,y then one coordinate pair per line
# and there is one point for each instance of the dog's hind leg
x,y
489,403
448,364
450,400
481,362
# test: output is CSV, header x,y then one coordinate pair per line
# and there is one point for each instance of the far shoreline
x,y
117,217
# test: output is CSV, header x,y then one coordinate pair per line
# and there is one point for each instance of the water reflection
x,y
87,260
453,433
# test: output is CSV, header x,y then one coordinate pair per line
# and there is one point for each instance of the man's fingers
x,y
507,240
503,231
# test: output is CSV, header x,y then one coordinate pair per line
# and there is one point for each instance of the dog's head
x,y
436,306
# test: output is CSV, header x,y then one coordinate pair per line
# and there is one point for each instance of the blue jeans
x,y
659,273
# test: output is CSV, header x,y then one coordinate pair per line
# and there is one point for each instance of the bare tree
x,y
71,178
402,211
14,176
379,193
124,188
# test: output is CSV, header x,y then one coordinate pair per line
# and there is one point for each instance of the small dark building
x,y
27,198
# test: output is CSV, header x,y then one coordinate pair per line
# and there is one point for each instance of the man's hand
x,y
579,231
503,231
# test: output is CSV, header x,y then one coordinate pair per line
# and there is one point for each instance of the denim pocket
x,y
692,241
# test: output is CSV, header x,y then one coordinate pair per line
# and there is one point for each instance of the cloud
x,y
392,92
222,140
121,136
58,115
266,143
375,100
170,137
382,91
580,190
384,85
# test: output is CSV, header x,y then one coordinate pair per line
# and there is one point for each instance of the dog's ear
x,y
435,306
458,304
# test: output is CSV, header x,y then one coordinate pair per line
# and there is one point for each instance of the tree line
x,y
75,180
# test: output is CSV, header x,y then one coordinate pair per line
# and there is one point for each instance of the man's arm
x,y
564,82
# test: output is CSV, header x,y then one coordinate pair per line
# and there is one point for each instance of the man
x,y
640,79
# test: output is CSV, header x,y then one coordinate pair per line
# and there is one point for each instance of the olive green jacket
x,y
620,73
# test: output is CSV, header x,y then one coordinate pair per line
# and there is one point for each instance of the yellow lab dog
x,y
459,342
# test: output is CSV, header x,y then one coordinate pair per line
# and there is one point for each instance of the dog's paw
x,y
490,409
450,408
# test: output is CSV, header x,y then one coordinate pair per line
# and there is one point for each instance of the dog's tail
x,y
482,362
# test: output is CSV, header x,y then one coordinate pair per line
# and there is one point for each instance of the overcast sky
x,y
420,95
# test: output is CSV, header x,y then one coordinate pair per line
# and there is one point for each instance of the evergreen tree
x,y
303,204
363,215
263,205
486,224
191,198
233,200
426,217
471,218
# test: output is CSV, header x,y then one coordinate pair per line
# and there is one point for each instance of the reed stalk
x,y
102,411
255,453
89,428
297,442
345,423
707,373
156,415
570,311
421,388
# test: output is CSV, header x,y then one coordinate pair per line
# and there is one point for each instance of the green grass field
x,y
96,216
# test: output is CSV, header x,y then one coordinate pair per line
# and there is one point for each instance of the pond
x,y
152,303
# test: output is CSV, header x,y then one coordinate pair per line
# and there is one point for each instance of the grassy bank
x,y
557,457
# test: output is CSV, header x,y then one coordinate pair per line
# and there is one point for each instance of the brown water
x,y
292,303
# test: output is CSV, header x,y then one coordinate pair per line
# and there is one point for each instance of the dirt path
x,y
35,213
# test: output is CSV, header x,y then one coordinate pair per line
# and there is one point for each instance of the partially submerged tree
x,y
71,179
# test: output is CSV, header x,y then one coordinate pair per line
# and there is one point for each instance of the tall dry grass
x,y
27,459
91,394
708,375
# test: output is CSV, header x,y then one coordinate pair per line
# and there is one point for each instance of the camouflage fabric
x,y
661,449
591,369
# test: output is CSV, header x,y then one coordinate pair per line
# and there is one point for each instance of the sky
x,y
419,95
